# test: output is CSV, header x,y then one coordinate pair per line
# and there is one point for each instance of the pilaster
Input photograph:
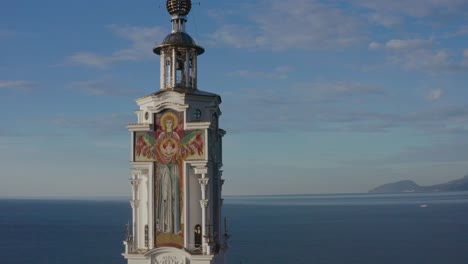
x,y
203,181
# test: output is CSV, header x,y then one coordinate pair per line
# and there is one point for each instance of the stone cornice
x,y
161,97
139,171
139,127
198,165
166,250
166,100
168,105
221,132
197,125
140,165
201,170
215,109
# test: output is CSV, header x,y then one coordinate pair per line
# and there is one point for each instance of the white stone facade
x,y
176,160
202,185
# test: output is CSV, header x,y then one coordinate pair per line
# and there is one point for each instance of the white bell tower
x,y
176,160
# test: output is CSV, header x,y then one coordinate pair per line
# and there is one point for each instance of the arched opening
x,y
197,236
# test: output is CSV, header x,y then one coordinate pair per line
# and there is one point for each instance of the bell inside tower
x,y
181,73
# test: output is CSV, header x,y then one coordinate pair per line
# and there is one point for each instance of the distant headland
x,y
411,186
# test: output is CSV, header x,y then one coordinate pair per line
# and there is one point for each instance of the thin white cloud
x,y
402,44
235,36
19,85
111,144
375,45
279,73
9,133
435,95
424,59
408,44
420,54
435,153
463,30
465,58
297,24
102,87
340,106
257,74
416,8
384,20
339,89
99,124
304,107
286,68
92,59
142,40
332,92
4,33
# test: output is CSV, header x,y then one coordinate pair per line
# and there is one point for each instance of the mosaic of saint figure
x,y
169,146
168,140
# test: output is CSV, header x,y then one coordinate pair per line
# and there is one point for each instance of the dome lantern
x,y
178,51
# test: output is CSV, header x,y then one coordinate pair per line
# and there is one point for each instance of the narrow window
x,y
146,236
198,236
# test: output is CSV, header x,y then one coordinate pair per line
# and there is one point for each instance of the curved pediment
x,y
168,255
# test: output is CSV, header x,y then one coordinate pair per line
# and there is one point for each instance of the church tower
x,y
176,160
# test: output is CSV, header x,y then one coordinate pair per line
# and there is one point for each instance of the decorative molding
x,y
215,108
139,127
138,166
168,105
198,125
168,259
134,203
162,251
163,100
203,181
137,171
221,132
204,203
135,182
158,98
198,166
199,170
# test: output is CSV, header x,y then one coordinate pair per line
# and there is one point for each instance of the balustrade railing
x,y
194,249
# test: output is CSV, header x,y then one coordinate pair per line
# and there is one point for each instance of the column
x,y
134,181
194,70
203,204
163,70
187,68
173,68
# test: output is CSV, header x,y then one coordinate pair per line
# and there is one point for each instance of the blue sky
x,y
318,96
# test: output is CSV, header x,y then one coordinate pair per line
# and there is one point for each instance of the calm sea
x,y
326,229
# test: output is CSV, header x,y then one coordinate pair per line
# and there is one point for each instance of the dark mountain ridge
x,y
411,186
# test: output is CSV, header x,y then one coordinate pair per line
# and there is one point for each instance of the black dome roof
x,y
180,39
